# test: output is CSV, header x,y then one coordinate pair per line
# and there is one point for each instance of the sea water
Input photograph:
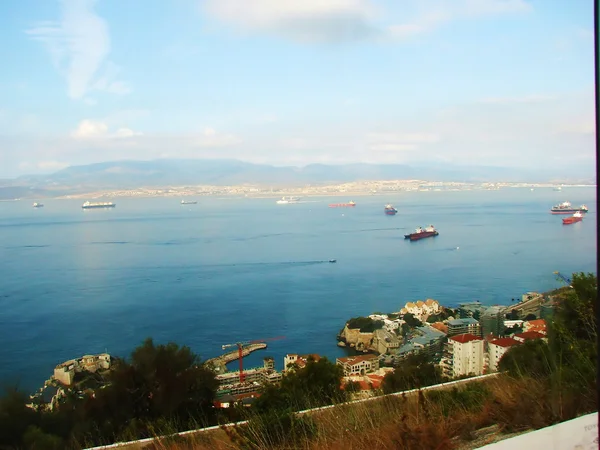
x,y
75,282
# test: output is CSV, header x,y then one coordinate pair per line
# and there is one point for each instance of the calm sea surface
x,y
74,281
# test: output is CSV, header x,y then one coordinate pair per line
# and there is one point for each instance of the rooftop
x,y
459,322
530,335
505,342
356,359
464,338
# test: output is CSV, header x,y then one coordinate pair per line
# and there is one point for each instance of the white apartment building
x,y
497,348
463,355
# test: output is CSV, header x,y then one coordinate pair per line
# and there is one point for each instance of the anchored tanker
x,y
421,233
88,205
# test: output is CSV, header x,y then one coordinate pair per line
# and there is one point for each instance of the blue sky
x,y
490,82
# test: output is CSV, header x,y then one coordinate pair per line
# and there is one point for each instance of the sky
x,y
293,82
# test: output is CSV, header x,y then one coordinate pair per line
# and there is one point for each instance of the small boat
x,y
38,205
189,202
350,204
390,210
421,233
577,217
333,260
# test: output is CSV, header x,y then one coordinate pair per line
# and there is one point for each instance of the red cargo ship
x,y
342,205
577,217
421,233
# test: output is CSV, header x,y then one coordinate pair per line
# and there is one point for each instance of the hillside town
x,y
351,188
466,341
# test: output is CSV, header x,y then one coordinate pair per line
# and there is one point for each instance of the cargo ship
x,y
189,202
577,217
89,205
390,210
421,233
566,208
38,205
342,205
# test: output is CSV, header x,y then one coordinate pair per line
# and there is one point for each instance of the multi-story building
x,y
496,350
463,355
492,321
468,325
385,341
254,379
358,365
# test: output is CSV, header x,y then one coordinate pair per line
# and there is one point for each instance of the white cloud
x,y
300,20
513,100
126,133
90,129
210,138
43,166
398,142
434,13
95,129
412,138
79,44
350,20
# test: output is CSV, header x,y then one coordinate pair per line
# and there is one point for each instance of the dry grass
x,y
451,419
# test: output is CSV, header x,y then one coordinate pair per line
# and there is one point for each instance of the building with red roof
x,y
463,355
529,336
538,325
294,361
496,350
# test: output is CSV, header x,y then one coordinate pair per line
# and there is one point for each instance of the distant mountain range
x,y
167,172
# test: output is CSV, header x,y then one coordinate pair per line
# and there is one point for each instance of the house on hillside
x,y
358,365
293,361
538,325
529,336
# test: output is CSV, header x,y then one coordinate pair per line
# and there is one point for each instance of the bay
x,y
75,281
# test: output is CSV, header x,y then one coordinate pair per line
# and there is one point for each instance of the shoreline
x,y
209,191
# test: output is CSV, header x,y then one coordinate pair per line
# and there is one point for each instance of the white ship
x,y
89,205
288,200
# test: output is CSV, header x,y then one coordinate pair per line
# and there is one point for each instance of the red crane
x,y
240,345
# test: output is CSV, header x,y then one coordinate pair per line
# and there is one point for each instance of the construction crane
x,y
562,277
240,346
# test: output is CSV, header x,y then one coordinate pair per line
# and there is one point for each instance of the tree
x,y
415,371
318,383
530,317
365,324
15,418
161,382
476,314
433,318
412,321
533,359
352,387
